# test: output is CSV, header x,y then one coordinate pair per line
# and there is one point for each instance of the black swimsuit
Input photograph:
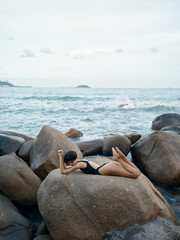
x,y
89,169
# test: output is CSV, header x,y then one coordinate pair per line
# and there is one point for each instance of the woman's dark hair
x,y
70,156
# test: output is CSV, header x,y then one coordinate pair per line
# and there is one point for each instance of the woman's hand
x,y
61,153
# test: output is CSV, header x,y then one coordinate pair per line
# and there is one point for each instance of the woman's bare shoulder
x,y
81,164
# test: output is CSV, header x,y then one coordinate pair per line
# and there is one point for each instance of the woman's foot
x,y
119,153
115,155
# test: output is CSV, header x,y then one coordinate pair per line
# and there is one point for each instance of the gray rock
x,y
119,141
74,133
157,155
44,154
89,148
32,213
174,128
13,226
42,229
176,209
25,150
9,144
133,137
43,237
158,229
18,181
9,133
165,120
82,206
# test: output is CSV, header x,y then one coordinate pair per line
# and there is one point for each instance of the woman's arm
x,y
69,170
61,160
63,168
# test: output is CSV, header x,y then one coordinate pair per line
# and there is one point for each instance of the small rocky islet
x,y
37,202
83,86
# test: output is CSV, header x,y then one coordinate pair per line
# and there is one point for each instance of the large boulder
x,y
9,133
158,229
9,144
44,154
74,133
25,150
123,143
89,148
13,226
172,128
133,137
82,206
158,156
17,180
165,120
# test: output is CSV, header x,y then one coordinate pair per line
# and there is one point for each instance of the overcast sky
x,y
101,43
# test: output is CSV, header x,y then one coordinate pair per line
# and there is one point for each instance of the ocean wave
x,y
160,107
127,105
90,109
87,120
52,98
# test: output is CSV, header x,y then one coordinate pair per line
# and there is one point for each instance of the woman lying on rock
x,y
121,166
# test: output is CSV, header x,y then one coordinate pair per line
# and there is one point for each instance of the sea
x,y
96,112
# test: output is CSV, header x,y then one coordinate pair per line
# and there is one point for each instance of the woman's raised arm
x,y
63,168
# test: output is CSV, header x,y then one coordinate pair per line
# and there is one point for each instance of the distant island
x,y
8,84
83,86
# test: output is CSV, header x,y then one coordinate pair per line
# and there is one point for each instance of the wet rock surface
x,y
13,226
158,229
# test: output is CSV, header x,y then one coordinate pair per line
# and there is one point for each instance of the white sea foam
x,y
126,103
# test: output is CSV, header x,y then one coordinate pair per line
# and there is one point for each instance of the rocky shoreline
x,y
38,203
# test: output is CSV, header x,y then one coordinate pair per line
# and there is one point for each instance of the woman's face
x,y
72,163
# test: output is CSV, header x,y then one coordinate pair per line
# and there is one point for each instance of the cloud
x,y
79,54
10,38
118,50
47,51
153,49
27,53
75,55
100,51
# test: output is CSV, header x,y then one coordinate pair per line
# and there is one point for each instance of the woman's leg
x,y
116,169
128,167
119,155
